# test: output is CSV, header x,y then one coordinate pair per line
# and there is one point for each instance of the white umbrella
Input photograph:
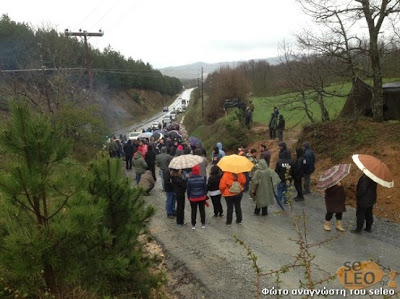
x,y
185,161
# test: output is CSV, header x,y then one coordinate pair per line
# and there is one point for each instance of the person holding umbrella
x,y
335,197
375,171
232,184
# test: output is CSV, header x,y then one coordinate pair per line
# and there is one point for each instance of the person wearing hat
x,y
197,194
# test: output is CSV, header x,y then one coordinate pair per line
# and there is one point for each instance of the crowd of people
x,y
143,155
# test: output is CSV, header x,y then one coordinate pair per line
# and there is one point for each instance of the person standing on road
x,y
284,168
335,203
272,126
128,150
262,187
298,173
219,144
203,164
231,187
366,199
213,189
150,159
179,185
309,167
162,161
280,127
169,191
265,153
197,194
139,164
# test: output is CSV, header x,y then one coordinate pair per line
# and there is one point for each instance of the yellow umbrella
x,y
235,164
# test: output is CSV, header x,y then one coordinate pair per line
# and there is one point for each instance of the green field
x,y
264,106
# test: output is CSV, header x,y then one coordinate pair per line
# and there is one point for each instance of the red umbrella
x,y
333,176
375,169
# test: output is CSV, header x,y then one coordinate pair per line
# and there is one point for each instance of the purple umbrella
x,y
193,141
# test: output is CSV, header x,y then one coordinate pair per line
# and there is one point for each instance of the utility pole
x,y
202,95
85,34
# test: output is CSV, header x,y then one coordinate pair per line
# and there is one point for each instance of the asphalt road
x,y
208,263
157,117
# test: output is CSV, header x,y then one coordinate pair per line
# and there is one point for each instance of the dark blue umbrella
x,y
193,141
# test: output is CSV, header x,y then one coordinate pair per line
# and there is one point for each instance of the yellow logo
x,y
359,275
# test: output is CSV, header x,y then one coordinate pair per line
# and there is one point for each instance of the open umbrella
x,y
157,135
375,169
193,141
185,161
333,175
235,164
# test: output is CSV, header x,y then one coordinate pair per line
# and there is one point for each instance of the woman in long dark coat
x,y
335,203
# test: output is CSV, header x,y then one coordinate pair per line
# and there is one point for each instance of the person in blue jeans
x,y
284,168
169,191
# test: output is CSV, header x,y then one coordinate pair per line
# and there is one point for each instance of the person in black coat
x,y
280,127
213,189
179,186
284,168
366,199
150,159
298,173
128,150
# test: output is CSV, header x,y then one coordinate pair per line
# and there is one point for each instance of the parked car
x,y
183,106
154,126
180,110
165,109
133,135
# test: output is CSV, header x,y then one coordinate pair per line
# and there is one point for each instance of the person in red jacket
x,y
231,187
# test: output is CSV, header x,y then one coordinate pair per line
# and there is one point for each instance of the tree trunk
x,y
377,94
324,111
50,278
308,112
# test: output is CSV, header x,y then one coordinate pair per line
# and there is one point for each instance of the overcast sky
x,y
171,32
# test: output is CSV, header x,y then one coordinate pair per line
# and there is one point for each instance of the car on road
x,y
165,109
183,106
133,135
167,119
173,115
154,126
179,109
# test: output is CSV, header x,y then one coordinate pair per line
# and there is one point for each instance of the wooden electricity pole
x,y
202,95
85,34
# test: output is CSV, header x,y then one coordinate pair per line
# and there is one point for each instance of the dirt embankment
x,y
335,143
122,108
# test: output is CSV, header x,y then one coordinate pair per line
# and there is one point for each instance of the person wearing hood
x,y
128,150
197,194
298,173
162,163
284,168
213,189
263,183
216,156
150,159
221,152
309,167
280,127
147,182
139,164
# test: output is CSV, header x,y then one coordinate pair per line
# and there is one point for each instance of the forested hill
x,y
24,49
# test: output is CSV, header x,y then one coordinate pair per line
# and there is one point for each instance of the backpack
x,y
235,188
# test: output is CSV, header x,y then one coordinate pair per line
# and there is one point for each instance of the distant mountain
x,y
193,71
